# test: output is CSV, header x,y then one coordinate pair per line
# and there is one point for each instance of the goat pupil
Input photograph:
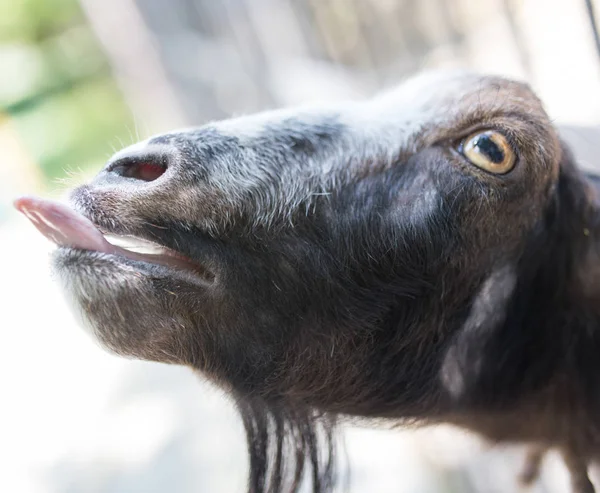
x,y
488,147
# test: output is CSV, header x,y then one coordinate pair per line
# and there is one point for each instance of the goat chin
x,y
426,256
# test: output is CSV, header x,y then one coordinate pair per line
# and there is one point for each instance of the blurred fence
x,y
244,55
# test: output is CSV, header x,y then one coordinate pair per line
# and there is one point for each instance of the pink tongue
x,y
62,225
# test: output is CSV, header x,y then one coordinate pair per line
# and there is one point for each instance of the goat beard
x,y
288,445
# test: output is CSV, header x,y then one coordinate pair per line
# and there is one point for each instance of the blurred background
x,y
81,79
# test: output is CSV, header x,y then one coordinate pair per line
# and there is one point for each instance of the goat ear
x,y
579,217
466,360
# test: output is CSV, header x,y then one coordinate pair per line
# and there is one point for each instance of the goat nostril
x,y
144,171
139,170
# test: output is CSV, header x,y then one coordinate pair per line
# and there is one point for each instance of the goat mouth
x,y
69,229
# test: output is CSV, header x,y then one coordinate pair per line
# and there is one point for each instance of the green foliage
x,y
57,87
35,20
75,129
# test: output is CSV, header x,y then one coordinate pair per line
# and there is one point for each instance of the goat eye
x,y
490,151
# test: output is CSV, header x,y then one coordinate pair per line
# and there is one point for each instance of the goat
x,y
430,255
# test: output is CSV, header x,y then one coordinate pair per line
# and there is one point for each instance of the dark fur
x,y
357,264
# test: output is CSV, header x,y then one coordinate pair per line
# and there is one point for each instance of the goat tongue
x,y
62,225
66,227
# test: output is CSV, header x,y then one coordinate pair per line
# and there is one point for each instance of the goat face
x,y
428,254
322,256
